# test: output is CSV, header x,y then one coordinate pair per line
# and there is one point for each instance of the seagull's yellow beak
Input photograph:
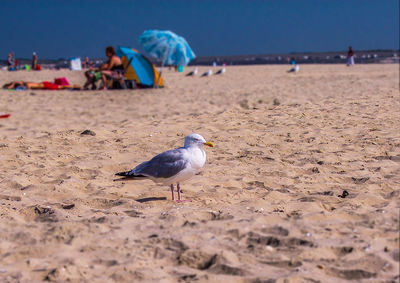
x,y
210,144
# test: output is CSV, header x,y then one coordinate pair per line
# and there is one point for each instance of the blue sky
x,y
62,29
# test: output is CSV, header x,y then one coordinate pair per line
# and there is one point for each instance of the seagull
x,y
207,74
220,72
172,166
192,73
295,69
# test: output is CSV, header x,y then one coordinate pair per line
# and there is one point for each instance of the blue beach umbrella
x,y
166,46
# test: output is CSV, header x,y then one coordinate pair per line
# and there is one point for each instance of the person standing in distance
x,y
350,57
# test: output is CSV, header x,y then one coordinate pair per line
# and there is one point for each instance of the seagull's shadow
x,y
142,200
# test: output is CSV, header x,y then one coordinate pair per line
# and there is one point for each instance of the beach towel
x,y
50,86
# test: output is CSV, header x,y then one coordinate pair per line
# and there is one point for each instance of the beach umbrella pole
x,y
162,66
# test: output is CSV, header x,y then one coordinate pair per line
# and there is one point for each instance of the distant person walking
x,y
34,61
350,57
11,62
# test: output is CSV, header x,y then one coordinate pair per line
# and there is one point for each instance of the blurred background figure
x,y
295,68
221,71
87,63
11,62
192,73
34,61
350,57
208,73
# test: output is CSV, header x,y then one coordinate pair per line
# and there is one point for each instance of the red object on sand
x,y
5,115
61,81
49,85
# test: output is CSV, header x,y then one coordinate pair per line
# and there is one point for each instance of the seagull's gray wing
x,y
164,165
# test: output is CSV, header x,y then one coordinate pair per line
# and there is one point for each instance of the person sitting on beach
x,y
21,85
111,68
107,70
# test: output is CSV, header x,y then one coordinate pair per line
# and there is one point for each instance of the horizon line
x,y
237,55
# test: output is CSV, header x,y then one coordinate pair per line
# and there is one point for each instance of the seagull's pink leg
x,y
178,188
179,194
172,191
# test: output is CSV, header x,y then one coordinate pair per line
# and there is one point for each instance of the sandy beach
x,y
267,207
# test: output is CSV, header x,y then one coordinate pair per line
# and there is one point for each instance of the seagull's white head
x,y
196,140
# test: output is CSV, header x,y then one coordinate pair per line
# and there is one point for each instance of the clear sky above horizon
x,y
62,29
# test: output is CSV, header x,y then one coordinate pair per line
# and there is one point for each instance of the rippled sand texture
x,y
266,208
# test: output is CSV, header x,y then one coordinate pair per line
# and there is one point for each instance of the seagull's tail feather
x,y
128,176
125,173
